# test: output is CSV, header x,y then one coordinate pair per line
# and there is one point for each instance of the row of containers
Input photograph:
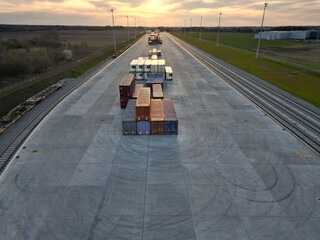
x,y
143,67
144,116
130,90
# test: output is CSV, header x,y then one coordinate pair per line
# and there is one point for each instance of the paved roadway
x,y
231,173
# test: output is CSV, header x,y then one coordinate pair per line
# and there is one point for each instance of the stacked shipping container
x,y
144,115
126,89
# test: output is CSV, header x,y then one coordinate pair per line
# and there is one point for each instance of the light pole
x,y
135,28
128,27
185,24
114,33
264,10
190,26
200,28
218,30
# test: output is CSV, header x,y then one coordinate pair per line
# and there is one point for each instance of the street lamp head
x,y
266,4
111,9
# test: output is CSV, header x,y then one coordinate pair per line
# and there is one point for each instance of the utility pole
x,y
185,25
128,28
190,26
135,28
200,28
218,30
264,10
114,33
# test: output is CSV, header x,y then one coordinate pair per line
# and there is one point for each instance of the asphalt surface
x,y
231,173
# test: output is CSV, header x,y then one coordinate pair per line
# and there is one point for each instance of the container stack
x,y
126,89
146,111
144,66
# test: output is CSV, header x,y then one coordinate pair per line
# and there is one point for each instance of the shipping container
x,y
156,117
139,76
154,66
123,101
143,127
147,66
136,91
133,65
170,118
154,57
140,65
143,104
129,124
169,73
154,79
126,86
157,92
161,65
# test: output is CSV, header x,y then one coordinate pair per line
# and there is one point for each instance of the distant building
x,y
310,34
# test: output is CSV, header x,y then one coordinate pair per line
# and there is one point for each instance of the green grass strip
x,y
302,83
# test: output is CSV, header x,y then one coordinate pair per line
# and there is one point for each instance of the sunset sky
x,y
160,12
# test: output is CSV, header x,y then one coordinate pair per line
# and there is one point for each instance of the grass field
x,y
298,81
12,98
293,50
96,38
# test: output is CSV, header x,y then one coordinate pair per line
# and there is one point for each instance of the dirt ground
x,y
304,53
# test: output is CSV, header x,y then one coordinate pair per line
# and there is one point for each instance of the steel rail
x,y
9,151
283,110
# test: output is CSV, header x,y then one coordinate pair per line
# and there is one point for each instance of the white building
x,y
278,35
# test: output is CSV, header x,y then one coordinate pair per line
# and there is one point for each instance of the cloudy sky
x,y
160,12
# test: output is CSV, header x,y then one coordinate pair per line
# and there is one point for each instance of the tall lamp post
x,y
128,28
218,30
114,33
200,27
264,10
190,27
135,28
185,24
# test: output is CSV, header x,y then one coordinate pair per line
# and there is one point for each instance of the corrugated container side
x,y
143,104
143,127
136,90
126,86
129,124
171,120
124,101
156,117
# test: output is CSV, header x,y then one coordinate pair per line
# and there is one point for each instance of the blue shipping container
x,y
171,121
143,127
129,124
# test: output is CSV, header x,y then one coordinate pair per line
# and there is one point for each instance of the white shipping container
x,y
140,65
161,65
154,66
147,66
169,73
133,66
139,76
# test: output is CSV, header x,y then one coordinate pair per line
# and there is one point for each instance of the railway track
x,y
300,120
9,151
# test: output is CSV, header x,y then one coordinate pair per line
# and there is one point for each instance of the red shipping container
x,y
124,101
156,117
127,85
143,105
136,90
